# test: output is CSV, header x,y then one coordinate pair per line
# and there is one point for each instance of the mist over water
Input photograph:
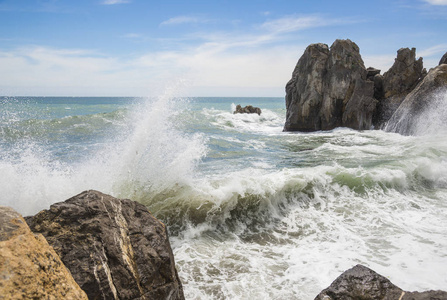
x,y
252,211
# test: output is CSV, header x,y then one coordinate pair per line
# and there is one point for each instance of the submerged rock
x,y
361,282
247,110
114,248
409,115
29,267
329,89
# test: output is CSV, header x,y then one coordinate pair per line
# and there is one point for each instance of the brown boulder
x,y
29,267
114,248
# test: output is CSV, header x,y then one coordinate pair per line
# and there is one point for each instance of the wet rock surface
x,y
114,248
410,114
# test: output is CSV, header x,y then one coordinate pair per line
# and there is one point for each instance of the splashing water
x,y
252,211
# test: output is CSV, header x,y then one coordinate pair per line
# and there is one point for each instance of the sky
x,y
200,48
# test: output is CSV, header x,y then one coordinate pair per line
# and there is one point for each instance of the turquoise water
x,y
253,212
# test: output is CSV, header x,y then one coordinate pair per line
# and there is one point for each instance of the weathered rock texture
x,y
114,248
247,110
398,82
329,88
363,283
406,119
29,267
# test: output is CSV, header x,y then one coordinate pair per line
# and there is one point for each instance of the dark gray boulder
x,y
428,95
329,89
363,283
114,248
397,83
247,110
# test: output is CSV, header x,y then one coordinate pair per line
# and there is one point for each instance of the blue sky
x,y
198,48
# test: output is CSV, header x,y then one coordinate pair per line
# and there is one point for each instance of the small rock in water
x,y
247,110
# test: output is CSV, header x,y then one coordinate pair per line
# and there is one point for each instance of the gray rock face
x,y
328,89
114,248
247,110
409,115
361,282
398,82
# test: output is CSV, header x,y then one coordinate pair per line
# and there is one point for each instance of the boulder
x,y
371,72
247,110
410,114
398,82
29,267
361,282
443,59
327,88
114,248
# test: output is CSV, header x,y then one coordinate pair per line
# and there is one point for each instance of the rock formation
x,y
398,82
361,282
408,116
29,267
247,110
329,88
114,248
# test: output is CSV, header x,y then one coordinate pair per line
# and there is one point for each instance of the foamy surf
x,y
252,211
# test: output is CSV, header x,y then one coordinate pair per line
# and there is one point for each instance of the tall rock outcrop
x,y
361,282
398,82
328,89
29,267
114,248
428,96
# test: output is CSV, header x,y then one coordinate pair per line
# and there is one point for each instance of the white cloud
x,y
111,2
298,23
289,24
437,2
434,50
182,20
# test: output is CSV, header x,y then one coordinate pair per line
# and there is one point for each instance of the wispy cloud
x,y
111,2
297,23
436,2
182,20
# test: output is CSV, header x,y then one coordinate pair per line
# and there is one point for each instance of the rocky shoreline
x,y
330,87
95,246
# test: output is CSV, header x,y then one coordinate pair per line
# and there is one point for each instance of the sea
x,y
252,212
